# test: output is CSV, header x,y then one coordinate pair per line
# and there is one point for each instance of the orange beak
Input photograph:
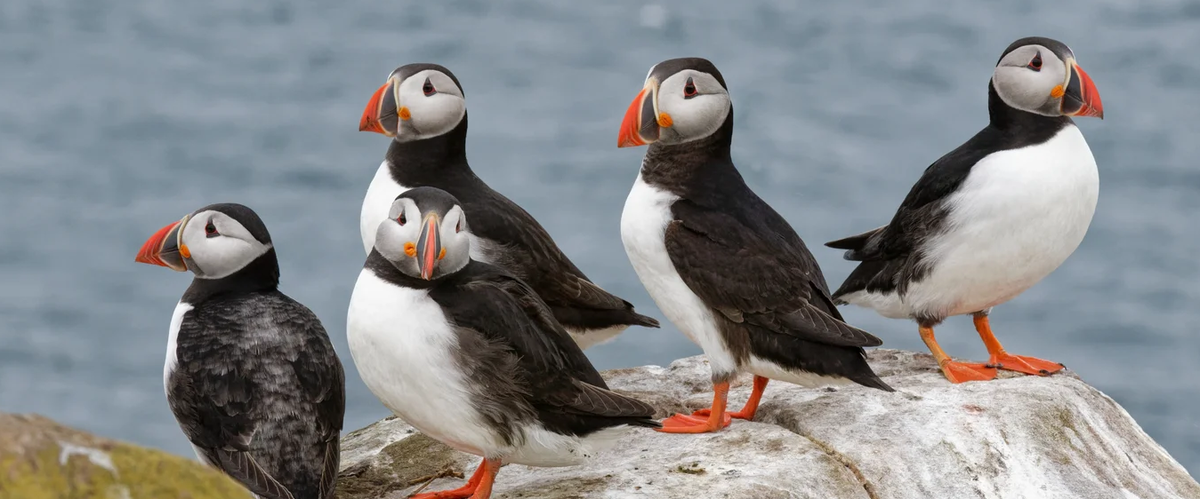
x,y
1081,97
380,115
164,249
640,126
429,246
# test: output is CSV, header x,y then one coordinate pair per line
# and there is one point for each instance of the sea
x,y
118,117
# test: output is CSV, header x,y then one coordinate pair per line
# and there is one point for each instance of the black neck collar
x,y
1012,120
423,161
260,275
679,166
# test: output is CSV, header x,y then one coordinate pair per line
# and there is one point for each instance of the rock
x,y
1015,437
40,459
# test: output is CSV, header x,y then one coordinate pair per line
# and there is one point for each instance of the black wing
x,y
562,383
533,256
217,410
923,211
320,373
755,279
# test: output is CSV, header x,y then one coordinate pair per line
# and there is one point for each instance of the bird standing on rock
x,y
423,108
469,355
250,374
720,263
993,217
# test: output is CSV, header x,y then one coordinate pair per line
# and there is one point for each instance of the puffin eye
x,y
402,219
689,89
1036,63
428,88
210,230
458,226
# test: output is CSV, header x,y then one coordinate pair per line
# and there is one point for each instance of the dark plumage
x,y
251,376
528,250
749,266
892,255
259,392
508,336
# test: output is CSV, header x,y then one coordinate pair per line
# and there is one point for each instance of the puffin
x,y
468,353
250,374
994,216
423,109
721,264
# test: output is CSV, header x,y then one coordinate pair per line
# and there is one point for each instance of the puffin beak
x,y
164,248
429,246
382,113
640,126
1081,97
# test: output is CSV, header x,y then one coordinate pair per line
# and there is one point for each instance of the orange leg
x,y
999,358
473,488
956,372
717,419
748,410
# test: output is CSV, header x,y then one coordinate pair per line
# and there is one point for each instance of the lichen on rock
x,y
40,459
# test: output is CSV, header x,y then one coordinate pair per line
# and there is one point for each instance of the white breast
x,y
172,340
1016,218
380,195
643,226
402,346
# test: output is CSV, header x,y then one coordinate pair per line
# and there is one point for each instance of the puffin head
x,y
425,234
1040,75
212,242
682,100
418,101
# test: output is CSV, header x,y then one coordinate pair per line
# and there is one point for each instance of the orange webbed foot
x,y
682,423
1021,364
961,372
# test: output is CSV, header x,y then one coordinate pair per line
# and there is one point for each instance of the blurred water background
x,y
121,116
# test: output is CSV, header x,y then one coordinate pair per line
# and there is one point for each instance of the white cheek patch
x,y
221,256
429,115
694,118
436,114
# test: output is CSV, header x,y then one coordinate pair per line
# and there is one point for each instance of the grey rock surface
x,y
1015,437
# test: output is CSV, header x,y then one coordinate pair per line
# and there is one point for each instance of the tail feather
x,y
854,245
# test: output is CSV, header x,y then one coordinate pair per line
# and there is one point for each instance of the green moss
x,y
140,474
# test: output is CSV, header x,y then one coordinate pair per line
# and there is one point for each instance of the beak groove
x,y
1081,97
640,125
429,247
380,115
163,248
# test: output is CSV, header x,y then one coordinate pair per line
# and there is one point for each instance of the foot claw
x,y
960,372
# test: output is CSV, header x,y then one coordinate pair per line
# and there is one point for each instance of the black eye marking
x,y
458,226
402,219
1036,63
428,88
210,230
689,89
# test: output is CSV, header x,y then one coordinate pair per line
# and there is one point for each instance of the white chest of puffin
x,y
250,374
422,107
469,354
993,217
720,263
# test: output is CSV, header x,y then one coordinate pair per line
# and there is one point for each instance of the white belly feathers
x,y
643,225
402,347
1015,219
